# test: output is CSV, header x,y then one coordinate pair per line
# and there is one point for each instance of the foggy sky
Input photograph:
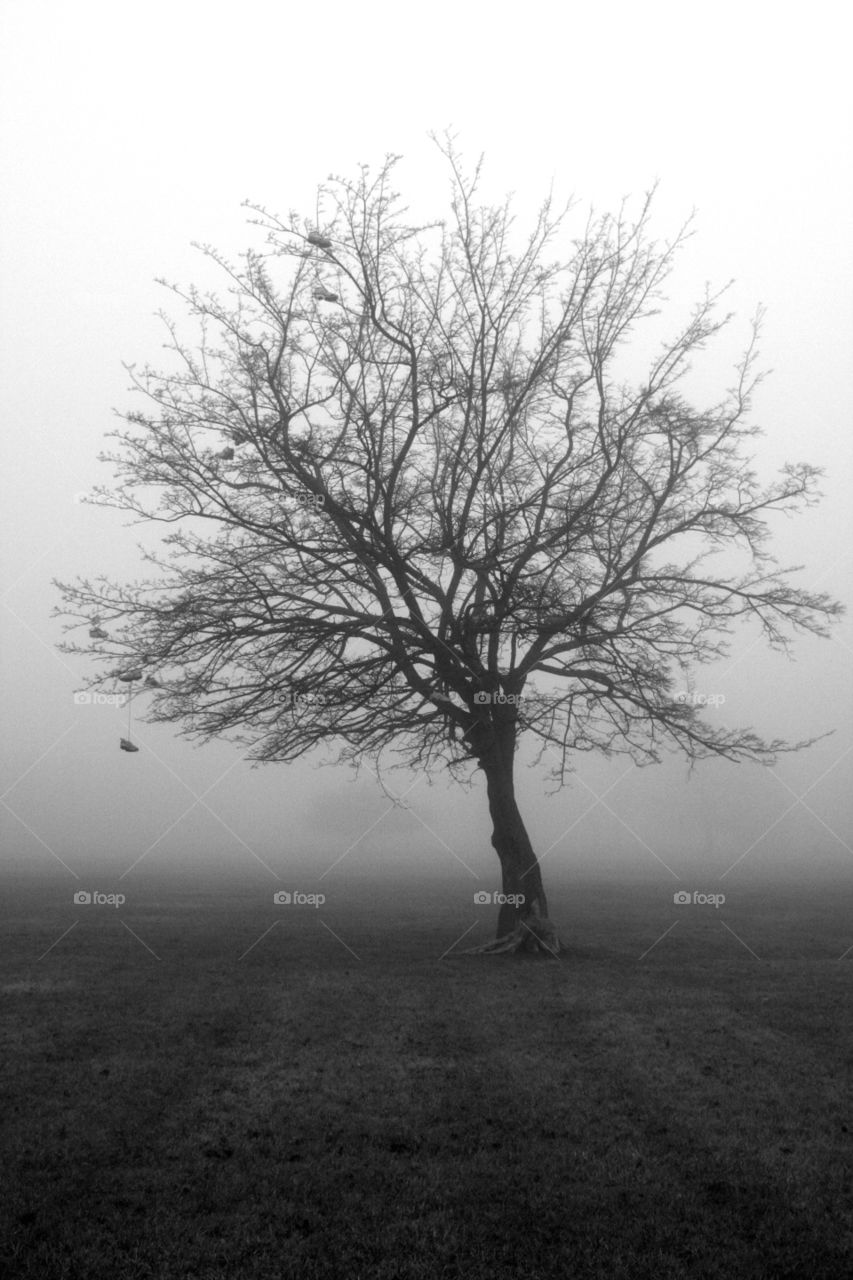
x,y
129,132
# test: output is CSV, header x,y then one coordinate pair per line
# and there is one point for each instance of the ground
x,y
409,1115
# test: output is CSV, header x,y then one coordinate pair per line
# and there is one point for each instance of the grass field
x,y
335,1097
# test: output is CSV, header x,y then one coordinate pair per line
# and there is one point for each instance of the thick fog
x,y
128,133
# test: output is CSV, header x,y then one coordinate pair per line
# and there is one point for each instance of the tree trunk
x,y
523,923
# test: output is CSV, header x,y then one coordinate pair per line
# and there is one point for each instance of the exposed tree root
x,y
536,935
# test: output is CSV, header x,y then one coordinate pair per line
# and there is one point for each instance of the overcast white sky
x,y
129,131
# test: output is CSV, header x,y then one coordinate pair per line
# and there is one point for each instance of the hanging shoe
x,y
129,676
125,745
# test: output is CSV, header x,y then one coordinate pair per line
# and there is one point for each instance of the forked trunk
x,y
523,923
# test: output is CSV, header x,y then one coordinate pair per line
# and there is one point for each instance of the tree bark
x,y
523,923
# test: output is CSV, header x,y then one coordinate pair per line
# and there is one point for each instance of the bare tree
x,y
406,482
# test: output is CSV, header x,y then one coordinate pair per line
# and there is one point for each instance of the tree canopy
x,y
415,505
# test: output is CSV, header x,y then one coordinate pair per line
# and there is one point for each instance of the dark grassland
x,y
301,1112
